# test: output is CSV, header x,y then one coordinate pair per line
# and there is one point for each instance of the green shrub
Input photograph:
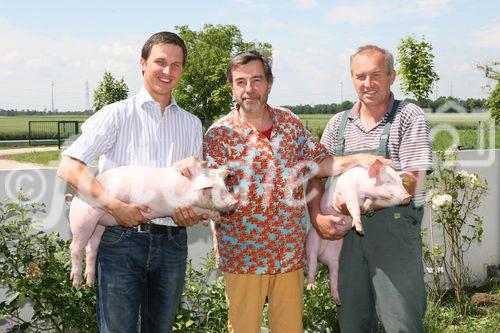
x,y
203,307
320,312
35,269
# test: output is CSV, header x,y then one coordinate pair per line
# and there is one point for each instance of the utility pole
x,y
87,96
52,96
341,92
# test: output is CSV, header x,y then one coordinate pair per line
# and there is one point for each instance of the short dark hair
x,y
389,58
164,37
244,58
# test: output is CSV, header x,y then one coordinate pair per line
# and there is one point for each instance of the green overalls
x,y
381,273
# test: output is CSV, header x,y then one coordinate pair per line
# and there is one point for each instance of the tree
x,y
416,67
110,90
492,72
203,89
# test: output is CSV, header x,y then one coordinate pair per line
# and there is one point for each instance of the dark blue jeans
x,y
139,275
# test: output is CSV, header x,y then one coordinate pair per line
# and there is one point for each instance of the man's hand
x,y
127,215
330,227
186,217
366,160
339,205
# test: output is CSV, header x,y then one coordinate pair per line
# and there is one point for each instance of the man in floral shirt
x,y
260,245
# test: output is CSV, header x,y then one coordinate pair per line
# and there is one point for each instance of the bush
x,y
203,307
35,270
320,312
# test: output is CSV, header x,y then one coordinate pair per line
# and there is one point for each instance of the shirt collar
x,y
245,125
144,97
354,113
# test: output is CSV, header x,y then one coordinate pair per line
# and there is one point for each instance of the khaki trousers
x,y
246,295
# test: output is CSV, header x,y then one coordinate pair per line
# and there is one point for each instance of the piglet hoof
x,y
76,279
311,286
336,299
77,283
358,226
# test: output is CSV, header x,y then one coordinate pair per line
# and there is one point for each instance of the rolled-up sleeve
x,y
98,136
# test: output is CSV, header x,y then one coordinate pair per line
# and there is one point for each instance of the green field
x,y
465,125
16,127
445,126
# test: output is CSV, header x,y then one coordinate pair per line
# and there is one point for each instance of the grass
x,y
16,127
465,124
444,317
16,124
44,158
444,125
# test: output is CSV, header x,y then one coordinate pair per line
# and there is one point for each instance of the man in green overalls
x,y
381,273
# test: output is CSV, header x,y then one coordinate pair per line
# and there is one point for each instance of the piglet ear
x,y
201,182
407,177
202,164
375,169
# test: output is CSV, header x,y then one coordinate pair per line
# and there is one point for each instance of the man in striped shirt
x,y
140,266
381,273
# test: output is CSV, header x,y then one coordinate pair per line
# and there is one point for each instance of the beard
x,y
252,103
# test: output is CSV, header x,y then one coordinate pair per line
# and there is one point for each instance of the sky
x,y
62,48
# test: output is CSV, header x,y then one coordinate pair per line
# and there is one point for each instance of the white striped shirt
x,y
409,142
135,132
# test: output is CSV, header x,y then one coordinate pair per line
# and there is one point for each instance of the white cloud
x,y
310,33
253,4
358,14
487,36
305,4
31,60
432,8
463,67
362,14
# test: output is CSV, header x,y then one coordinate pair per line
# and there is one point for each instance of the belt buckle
x,y
143,228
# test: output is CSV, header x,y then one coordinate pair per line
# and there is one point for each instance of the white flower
x,y
441,200
470,178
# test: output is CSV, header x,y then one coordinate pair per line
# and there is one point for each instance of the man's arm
x,y
324,224
333,166
79,177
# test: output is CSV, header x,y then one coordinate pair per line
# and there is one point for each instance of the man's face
x,y
250,86
162,70
370,78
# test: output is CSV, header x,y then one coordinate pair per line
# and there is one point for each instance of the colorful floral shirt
x,y
266,233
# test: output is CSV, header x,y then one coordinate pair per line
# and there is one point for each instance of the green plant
x,y
203,89
109,90
203,306
456,198
320,312
35,269
416,67
492,72
443,316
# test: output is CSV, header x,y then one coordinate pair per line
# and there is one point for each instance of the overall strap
x,y
339,150
384,138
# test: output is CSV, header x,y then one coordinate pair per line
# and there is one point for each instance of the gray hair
x,y
388,57
244,58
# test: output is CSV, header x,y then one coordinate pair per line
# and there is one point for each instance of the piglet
x,y
162,190
359,189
